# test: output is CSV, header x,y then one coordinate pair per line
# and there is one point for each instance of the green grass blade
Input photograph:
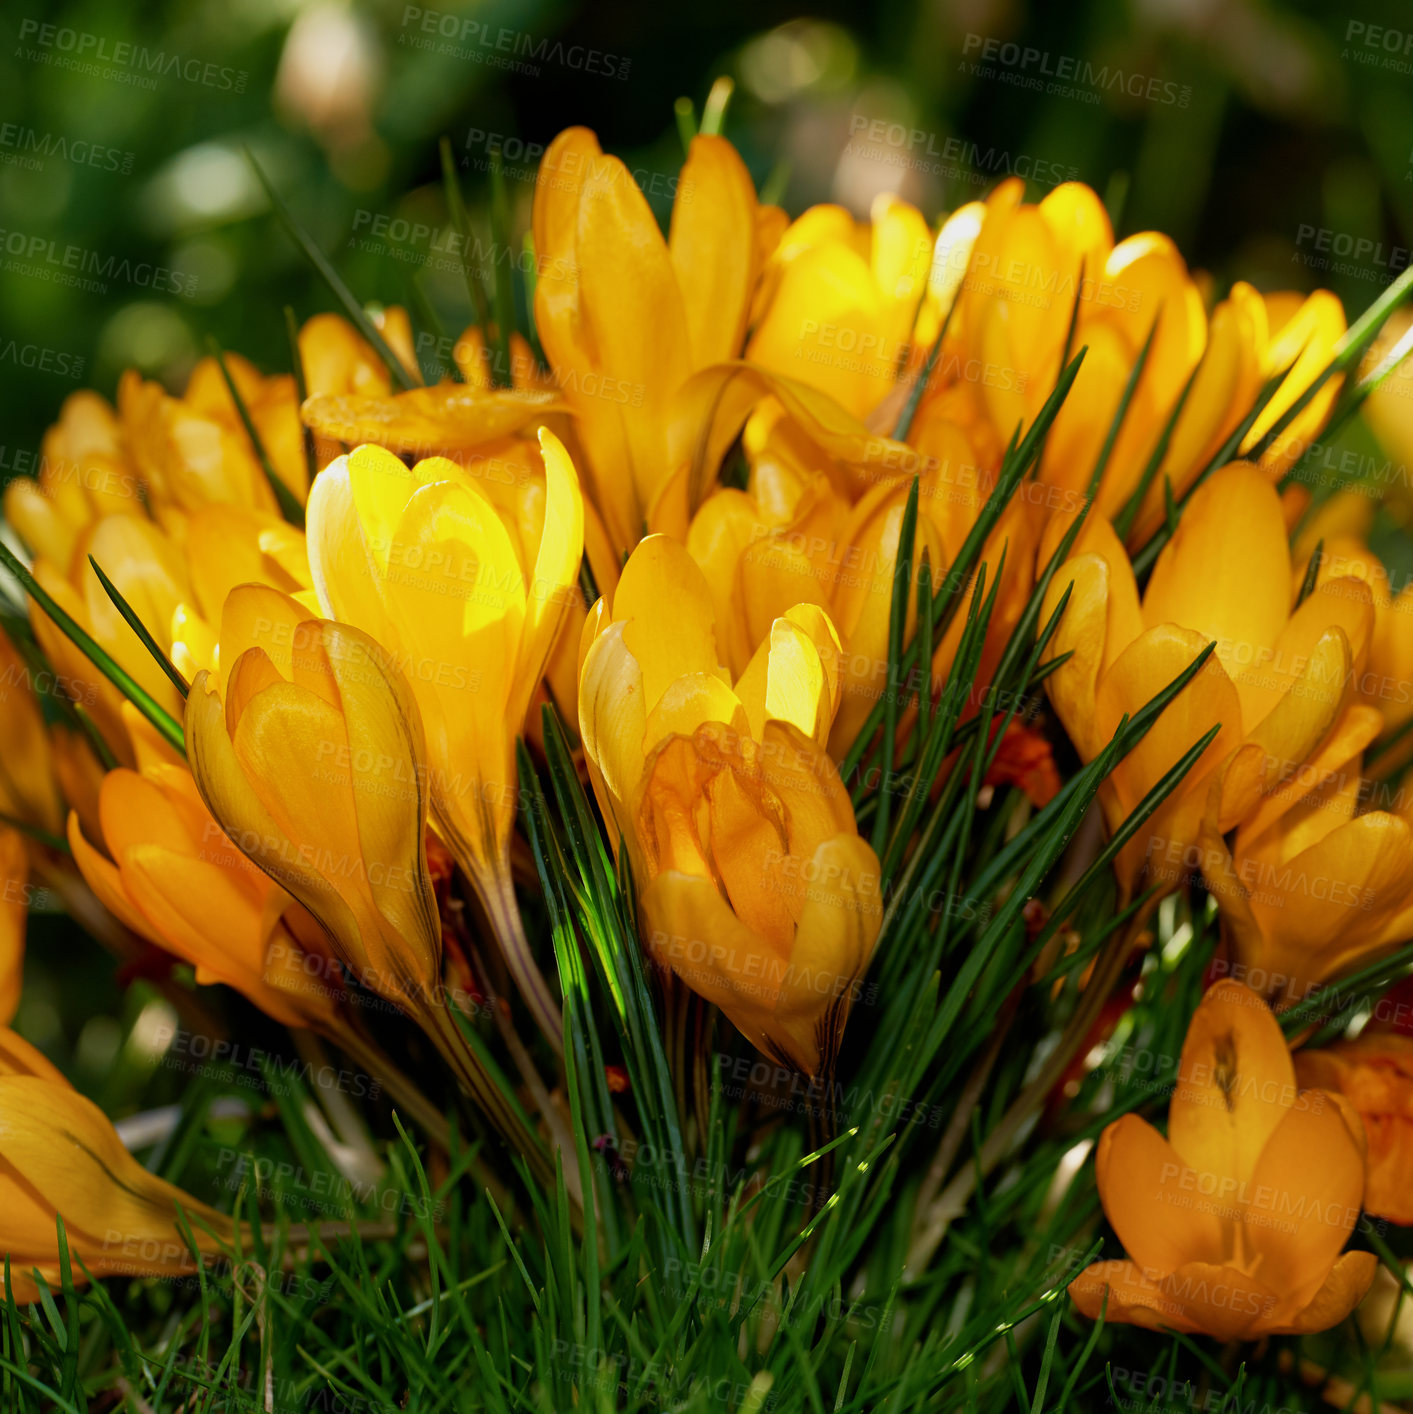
x,y
289,506
166,724
140,629
316,257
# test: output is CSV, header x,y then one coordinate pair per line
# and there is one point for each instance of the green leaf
x,y
1312,574
475,290
316,257
140,629
290,508
502,283
897,627
136,694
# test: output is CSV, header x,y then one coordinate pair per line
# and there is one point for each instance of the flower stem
x,y
496,891
490,1092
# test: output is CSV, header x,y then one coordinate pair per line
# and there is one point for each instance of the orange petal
x,y
1236,1083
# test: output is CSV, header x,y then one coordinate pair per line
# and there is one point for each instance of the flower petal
x,y
1236,1083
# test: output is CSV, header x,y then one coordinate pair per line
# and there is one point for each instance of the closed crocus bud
x,y
64,1159
308,750
1374,1073
754,885
839,300
150,572
1234,1223
272,405
84,475
309,754
338,359
626,317
189,455
421,559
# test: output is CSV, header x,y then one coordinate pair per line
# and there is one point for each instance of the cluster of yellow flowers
x,y
723,446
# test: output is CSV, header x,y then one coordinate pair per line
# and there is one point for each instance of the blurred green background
x,y
1243,129
1273,141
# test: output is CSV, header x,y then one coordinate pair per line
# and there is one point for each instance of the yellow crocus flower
x,y
1277,683
625,317
1310,888
1341,527
754,886
1234,1223
149,570
84,473
791,536
840,299
29,790
1374,1072
308,752
1019,278
421,559
63,1158
14,915
174,878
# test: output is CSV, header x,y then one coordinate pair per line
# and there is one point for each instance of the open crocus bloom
x,y
61,1157
626,317
755,887
1309,888
1277,682
1374,1073
1235,1222
1032,267
450,417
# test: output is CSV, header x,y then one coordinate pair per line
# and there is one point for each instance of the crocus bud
x,y
310,756
421,559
